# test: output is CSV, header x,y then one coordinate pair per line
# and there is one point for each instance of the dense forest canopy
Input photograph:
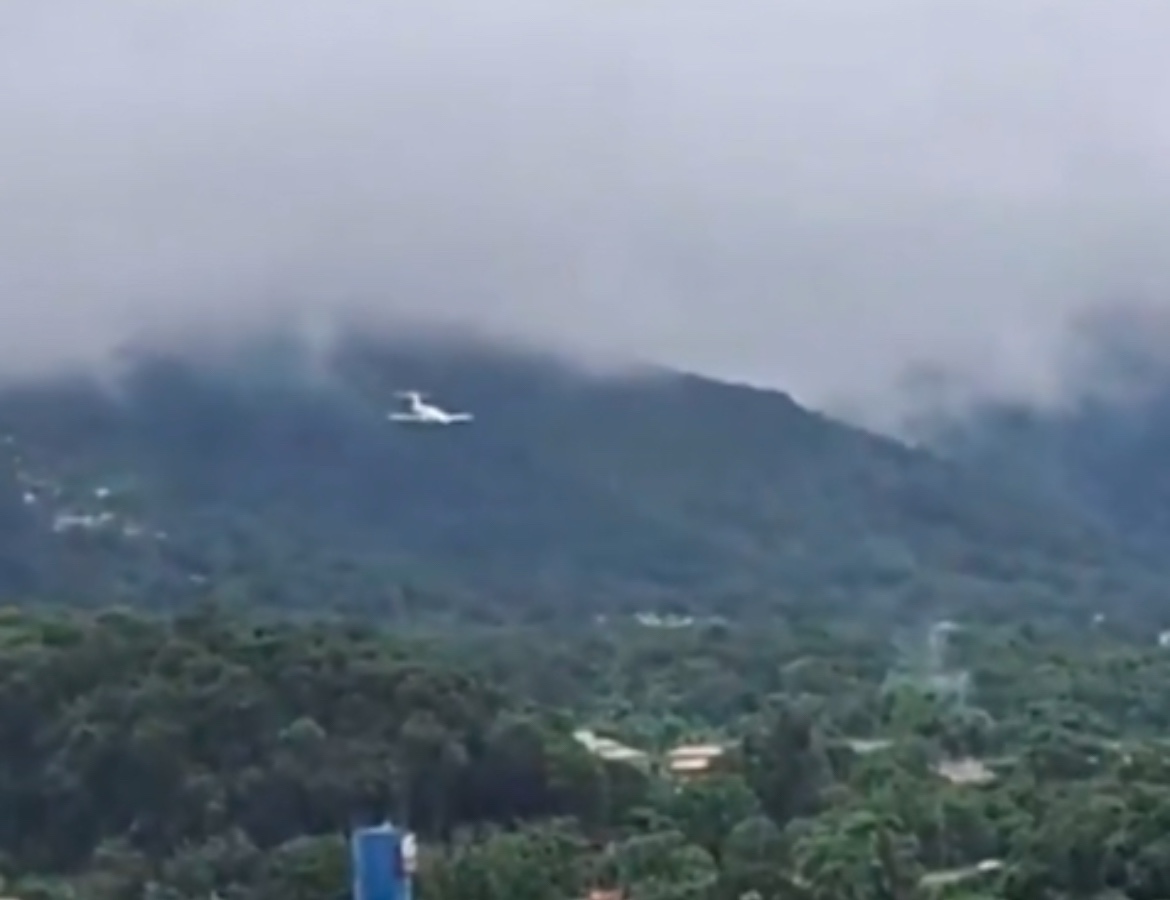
x,y
663,636
208,754
263,477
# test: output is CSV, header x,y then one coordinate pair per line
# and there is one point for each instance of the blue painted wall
x,y
383,863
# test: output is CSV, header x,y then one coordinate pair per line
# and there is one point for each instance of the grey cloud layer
x,y
815,195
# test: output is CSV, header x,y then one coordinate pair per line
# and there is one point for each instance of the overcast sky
x,y
815,194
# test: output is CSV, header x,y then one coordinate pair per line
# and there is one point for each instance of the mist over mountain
x,y
757,192
810,197
1103,451
263,476
816,410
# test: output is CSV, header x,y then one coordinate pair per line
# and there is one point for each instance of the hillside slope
x,y
1103,453
1106,461
254,479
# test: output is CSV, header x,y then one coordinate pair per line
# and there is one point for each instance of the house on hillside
x,y
866,746
685,761
969,771
600,894
693,760
610,750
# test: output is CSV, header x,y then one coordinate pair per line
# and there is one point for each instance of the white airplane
x,y
425,413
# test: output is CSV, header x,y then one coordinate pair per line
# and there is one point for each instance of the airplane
x,y
426,414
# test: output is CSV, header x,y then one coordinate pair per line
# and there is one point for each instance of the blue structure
x,y
383,863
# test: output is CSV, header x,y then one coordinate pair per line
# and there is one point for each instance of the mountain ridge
x,y
569,495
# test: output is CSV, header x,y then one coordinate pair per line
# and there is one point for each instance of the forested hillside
x,y
209,755
1103,459
422,624
256,477
1099,451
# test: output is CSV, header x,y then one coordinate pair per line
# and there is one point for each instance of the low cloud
x,y
819,196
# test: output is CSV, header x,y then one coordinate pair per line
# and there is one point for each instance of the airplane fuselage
x,y
425,414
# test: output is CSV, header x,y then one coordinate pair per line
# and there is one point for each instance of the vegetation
x,y
1099,453
260,478
1101,459
207,754
254,614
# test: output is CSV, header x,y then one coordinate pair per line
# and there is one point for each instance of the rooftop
x,y
965,771
708,751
